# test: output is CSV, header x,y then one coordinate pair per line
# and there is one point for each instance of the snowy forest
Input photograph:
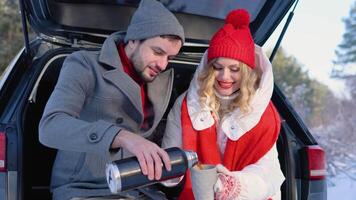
x,y
331,119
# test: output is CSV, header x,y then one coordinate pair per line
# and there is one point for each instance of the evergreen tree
x,y
346,51
307,95
11,37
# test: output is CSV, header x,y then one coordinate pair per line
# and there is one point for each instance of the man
x,y
106,103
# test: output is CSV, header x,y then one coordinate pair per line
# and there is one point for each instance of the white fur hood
x,y
235,124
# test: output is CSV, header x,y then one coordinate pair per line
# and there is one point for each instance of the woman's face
x,y
227,75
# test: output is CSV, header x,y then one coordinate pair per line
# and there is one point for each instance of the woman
x,y
226,116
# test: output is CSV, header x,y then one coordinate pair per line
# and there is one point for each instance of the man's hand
x,y
149,155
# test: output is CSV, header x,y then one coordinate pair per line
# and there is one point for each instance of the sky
x,y
313,35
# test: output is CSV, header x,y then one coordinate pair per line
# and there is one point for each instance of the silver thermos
x,y
126,174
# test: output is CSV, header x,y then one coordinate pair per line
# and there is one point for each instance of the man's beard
x,y
139,65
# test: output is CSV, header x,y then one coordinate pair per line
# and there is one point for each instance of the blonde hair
x,y
249,83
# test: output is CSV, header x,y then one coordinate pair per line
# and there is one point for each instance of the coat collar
x,y
109,54
159,92
235,124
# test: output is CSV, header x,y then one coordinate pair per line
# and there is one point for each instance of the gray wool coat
x,y
93,100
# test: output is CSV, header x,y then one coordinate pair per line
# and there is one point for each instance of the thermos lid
x,y
113,178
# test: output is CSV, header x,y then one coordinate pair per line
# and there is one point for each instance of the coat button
x,y
119,120
93,136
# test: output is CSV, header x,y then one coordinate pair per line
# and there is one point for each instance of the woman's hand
x,y
227,187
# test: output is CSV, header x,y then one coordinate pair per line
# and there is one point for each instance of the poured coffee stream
x,y
200,166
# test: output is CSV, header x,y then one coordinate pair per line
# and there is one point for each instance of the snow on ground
x,y
341,188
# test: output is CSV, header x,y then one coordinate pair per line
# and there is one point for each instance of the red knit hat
x,y
234,39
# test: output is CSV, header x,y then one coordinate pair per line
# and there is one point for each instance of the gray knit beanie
x,y
153,19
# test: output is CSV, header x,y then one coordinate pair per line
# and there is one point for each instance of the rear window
x,y
209,8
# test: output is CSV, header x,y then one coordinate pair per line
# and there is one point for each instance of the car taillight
x,y
316,169
2,151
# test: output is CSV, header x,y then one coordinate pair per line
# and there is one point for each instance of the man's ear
x,y
133,44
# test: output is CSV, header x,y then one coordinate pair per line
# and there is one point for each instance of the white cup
x,y
203,179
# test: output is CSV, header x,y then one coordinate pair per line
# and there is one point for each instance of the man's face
x,y
151,56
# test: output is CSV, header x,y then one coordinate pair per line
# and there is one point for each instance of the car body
x,y
65,26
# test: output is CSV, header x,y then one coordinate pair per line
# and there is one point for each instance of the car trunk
x,y
38,159
62,30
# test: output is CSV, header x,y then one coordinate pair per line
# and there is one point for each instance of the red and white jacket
x,y
244,143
